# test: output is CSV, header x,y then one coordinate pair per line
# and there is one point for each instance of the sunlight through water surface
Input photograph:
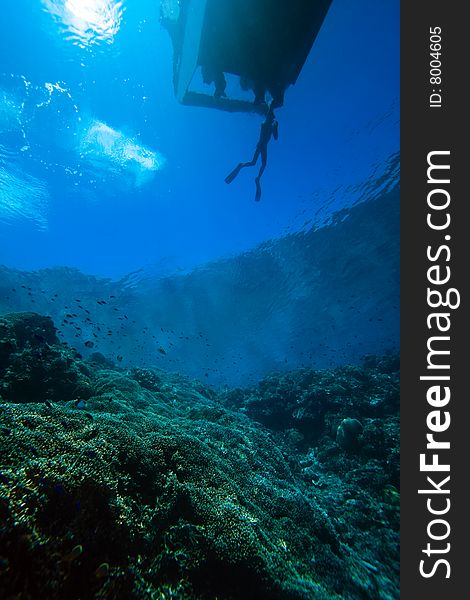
x,y
87,22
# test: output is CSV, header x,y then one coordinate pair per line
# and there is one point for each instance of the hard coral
x,y
34,365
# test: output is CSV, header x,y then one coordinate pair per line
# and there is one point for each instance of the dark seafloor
x,y
136,483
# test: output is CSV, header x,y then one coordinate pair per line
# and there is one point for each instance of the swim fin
x,y
258,191
233,174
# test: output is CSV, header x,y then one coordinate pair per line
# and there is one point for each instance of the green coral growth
x,y
160,487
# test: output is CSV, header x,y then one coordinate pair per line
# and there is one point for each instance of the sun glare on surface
x,y
87,21
105,146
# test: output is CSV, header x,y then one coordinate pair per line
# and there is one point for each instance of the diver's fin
x,y
258,191
233,174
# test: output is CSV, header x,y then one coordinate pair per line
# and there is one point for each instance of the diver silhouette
x,y
215,75
268,128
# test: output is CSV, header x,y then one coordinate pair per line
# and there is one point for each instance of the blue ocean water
x,y
102,170
199,392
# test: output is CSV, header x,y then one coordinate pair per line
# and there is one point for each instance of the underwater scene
x,y
199,299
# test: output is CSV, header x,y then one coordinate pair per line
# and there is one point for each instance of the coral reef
x,y
139,483
34,365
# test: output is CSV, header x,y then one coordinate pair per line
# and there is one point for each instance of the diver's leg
x,y
264,160
254,160
258,190
231,176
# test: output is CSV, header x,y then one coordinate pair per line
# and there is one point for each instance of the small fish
x,y
162,350
74,553
89,344
102,571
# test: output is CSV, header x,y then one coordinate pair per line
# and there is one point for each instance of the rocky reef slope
x,y
138,483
